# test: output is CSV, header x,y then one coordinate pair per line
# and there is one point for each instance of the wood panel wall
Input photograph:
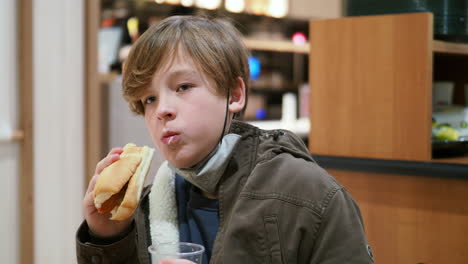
x,y
371,80
411,219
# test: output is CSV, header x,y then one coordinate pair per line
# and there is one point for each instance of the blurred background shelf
x,y
300,127
106,78
17,135
440,46
276,46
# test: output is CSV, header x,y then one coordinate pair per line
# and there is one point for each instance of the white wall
x,y
9,151
59,127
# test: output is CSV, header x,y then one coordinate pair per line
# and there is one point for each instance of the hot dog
x,y
118,187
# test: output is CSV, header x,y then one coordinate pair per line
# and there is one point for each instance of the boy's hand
x,y
100,224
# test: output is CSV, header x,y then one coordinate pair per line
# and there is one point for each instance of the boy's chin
x,y
182,164
185,159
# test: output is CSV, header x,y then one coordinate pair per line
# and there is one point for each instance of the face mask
x,y
207,173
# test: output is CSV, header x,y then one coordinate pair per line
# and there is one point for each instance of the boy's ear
x,y
237,99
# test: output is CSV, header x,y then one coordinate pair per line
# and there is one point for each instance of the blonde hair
x,y
215,46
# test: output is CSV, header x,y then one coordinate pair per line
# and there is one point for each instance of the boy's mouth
x,y
170,137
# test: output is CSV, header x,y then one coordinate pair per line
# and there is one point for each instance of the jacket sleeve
x,y
341,237
91,250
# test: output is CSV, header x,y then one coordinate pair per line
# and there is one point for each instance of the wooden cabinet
x,y
371,86
411,219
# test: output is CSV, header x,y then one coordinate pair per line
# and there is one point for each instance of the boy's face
x,y
183,113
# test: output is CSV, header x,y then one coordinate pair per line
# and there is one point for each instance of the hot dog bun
x,y
119,185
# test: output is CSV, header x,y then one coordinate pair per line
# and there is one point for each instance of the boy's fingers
x,y
112,156
89,196
92,183
106,162
88,203
117,150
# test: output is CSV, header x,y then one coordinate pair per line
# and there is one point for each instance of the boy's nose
x,y
168,116
165,113
166,106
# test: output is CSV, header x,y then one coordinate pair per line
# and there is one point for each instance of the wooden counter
x,y
413,212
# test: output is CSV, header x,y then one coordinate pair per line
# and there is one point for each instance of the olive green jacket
x,y
276,205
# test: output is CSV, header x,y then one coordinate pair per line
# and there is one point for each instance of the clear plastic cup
x,y
177,250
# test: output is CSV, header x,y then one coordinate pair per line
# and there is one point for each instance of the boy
x,y
247,195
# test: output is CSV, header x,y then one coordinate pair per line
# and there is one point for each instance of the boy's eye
x,y
149,100
184,87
